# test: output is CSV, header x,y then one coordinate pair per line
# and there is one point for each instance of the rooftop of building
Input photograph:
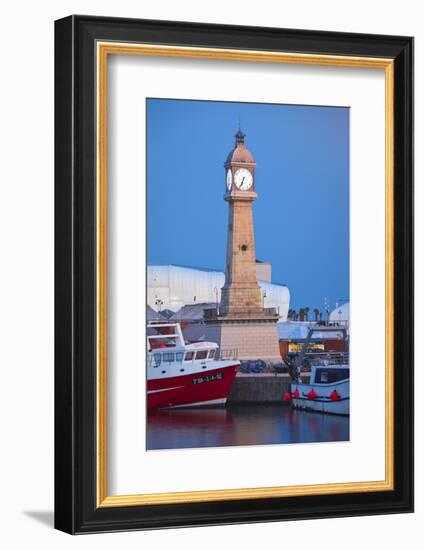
x,y
208,269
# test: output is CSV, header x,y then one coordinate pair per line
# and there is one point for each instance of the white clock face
x,y
229,179
243,179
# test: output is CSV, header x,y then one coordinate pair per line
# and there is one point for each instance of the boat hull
x,y
197,389
322,402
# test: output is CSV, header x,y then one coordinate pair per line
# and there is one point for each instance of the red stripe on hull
x,y
200,387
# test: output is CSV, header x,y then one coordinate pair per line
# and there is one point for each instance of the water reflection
x,y
241,425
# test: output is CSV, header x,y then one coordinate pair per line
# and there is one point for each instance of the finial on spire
x,y
239,136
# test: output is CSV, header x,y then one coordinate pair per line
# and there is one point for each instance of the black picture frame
x,y
76,509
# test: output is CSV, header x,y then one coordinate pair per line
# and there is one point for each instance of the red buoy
x,y
312,394
287,396
296,394
334,395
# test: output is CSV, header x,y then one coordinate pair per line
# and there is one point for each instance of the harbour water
x,y
241,425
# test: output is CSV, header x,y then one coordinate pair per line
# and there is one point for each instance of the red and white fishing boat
x,y
180,374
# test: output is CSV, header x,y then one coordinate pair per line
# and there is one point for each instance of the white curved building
x,y
340,314
172,287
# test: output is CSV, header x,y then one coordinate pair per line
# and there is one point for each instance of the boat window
x,y
162,344
211,354
179,356
169,357
170,343
202,354
189,356
158,358
328,376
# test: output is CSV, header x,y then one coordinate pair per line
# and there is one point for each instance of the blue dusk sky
x,y
301,215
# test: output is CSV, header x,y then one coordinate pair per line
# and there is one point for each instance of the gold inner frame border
x,y
103,50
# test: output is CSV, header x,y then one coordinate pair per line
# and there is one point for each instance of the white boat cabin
x,y
165,345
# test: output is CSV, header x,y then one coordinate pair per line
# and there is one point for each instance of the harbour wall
x,y
260,388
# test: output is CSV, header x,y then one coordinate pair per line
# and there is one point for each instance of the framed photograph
x,y
233,232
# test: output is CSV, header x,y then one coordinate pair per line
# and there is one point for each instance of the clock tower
x,y
241,291
241,322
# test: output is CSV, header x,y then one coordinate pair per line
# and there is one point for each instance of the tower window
x,y
243,247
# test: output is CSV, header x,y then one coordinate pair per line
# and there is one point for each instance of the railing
x,y
322,323
226,354
335,358
214,313
270,310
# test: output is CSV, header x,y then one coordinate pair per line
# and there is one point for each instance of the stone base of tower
x,y
252,339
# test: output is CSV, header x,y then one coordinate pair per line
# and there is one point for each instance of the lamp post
x,y
216,297
327,308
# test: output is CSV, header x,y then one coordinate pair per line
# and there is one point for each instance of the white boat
x,y
181,374
327,392
328,388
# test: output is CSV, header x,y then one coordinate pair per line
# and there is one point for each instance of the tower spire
x,y
239,136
